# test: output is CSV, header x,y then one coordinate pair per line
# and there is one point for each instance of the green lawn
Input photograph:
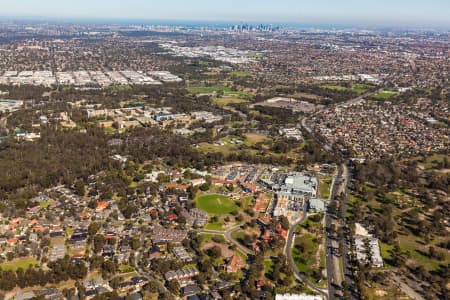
x,y
385,248
384,95
240,74
224,101
246,202
306,258
209,89
23,263
44,204
324,187
360,88
216,204
214,226
334,87
126,268
268,268
419,252
238,235
433,161
204,237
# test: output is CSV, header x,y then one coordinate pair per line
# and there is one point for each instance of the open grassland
x,y
384,95
360,88
333,87
240,74
325,186
225,101
216,204
15,264
209,89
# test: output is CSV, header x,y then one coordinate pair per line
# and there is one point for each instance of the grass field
x,y
419,252
238,235
255,138
240,74
433,161
334,87
214,226
306,258
308,254
225,149
216,204
209,89
306,96
246,202
23,263
384,95
324,187
126,268
44,204
360,88
385,248
268,268
224,101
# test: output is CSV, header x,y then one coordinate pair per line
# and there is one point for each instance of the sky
x,y
346,12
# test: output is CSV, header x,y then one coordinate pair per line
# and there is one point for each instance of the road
x,y
304,120
330,260
227,234
357,99
142,272
334,258
291,262
346,266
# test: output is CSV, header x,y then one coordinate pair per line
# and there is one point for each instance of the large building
x,y
296,186
292,195
365,243
10,105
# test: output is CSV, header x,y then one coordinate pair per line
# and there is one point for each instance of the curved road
x,y
227,234
291,262
142,272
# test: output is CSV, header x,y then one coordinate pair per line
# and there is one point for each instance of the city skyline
x,y
381,13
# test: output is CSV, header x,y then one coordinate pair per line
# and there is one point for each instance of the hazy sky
x,y
369,12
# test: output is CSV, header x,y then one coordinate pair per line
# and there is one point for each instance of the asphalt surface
x,y
291,262
346,242
328,241
227,234
144,273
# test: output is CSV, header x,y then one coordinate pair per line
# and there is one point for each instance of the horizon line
x,y
343,25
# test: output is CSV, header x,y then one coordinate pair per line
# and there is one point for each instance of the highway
x,y
335,278
330,257
346,242
303,120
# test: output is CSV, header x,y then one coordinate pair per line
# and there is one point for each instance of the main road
x,y
330,253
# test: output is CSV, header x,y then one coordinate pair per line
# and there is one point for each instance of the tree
x,y
284,222
93,228
79,188
174,286
99,242
214,252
